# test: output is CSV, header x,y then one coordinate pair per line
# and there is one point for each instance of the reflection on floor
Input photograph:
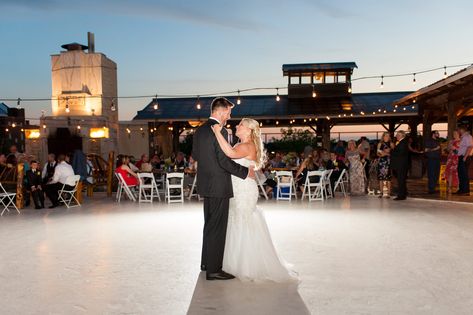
x,y
236,297
360,255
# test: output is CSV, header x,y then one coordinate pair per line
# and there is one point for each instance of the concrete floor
x,y
362,255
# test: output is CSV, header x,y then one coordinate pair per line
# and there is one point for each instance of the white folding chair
x,y
7,199
193,191
173,186
161,183
68,195
259,182
285,179
328,184
123,187
148,188
340,183
314,189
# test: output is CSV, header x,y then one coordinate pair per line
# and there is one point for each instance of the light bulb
x,y
314,95
278,98
414,79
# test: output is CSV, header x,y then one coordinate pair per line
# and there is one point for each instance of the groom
x,y
214,183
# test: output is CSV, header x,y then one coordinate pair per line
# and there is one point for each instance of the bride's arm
x,y
239,151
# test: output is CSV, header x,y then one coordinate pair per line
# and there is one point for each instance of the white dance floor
x,y
362,255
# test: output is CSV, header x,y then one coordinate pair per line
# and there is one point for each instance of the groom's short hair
x,y
221,102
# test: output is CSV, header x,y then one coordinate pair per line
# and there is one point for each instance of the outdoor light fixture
x,y
18,103
32,133
278,98
198,106
314,95
98,133
414,79
238,99
444,72
155,103
349,89
382,82
44,126
13,125
112,106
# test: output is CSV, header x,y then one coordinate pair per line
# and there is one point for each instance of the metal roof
x,y
307,67
266,106
3,110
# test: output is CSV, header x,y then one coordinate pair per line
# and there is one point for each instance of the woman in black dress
x,y
384,164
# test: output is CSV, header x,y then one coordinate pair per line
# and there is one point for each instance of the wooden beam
x,y
110,163
20,200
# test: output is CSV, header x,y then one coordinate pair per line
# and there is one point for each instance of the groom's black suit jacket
x,y
213,166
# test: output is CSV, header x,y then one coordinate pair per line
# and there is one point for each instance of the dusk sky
x,y
183,47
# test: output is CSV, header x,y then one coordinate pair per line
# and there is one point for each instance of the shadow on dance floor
x,y
236,297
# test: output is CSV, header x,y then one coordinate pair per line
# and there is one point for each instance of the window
x,y
318,78
329,78
306,80
342,78
293,80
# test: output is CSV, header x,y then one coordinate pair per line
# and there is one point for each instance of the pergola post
x,y
175,137
413,124
451,119
323,130
426,125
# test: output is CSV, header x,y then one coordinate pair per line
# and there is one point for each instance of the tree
x,y
292,140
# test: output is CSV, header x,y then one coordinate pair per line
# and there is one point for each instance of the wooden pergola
x,y
448,100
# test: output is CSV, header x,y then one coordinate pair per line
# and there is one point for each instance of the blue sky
x,y
196,47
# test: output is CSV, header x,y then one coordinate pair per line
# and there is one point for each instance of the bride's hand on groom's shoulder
x,y
217,128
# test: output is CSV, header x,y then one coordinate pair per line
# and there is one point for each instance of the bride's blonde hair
x,y
255,136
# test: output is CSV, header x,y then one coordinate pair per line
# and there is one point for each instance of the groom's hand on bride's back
x,y
251,172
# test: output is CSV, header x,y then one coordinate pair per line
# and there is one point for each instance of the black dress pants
x,y
38,198
52,191
215,232
401,175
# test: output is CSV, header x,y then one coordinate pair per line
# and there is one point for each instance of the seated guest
x,y
180,161
144,159
156,162
129,176
337,166
309,164
48,168
34,181
277,161
62,171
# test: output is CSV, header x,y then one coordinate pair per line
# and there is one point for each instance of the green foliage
x,y
292,140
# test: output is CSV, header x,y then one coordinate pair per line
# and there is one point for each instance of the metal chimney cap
x,y
74,46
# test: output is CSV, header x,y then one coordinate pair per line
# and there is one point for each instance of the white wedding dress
x,y
249,251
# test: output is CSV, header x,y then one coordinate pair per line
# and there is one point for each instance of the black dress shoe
x,y
53,205
399,198
37,207
222,275
203,267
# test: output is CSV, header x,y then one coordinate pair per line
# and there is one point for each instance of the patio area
x,y
355,255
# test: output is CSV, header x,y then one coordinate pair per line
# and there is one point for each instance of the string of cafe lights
x,y
238,92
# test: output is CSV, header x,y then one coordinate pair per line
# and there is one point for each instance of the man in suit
x,y
399,163
34,181
214,170
49,167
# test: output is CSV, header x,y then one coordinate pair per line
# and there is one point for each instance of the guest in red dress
x,y
130,177
451,169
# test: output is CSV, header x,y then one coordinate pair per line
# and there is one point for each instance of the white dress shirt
x,y
62,172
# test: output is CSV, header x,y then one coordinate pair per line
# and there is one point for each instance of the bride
x,y
249,250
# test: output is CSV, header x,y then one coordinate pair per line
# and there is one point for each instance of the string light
x,y
382,82
278,98
198,106
78,127
414,79
238,99
44,126
444,72
67,105
112,106
18,102
155,102
314,95
13,125
328,118
349,89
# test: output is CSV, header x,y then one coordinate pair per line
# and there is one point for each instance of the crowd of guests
x,y
367,162
47,179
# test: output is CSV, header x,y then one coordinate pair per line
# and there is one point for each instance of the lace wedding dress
x,y
249,251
